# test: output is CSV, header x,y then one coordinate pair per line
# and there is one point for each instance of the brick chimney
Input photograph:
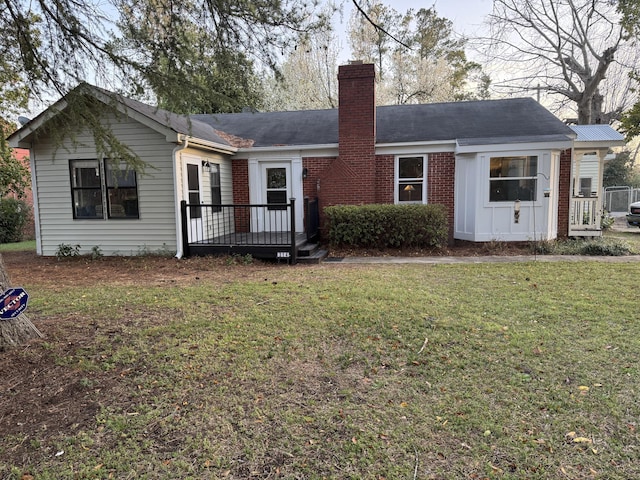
x,y
356,133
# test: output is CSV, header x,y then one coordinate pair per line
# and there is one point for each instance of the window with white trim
x,y
513,178
411,179
216,190
103,189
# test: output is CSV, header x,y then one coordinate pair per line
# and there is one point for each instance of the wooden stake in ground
x,y
14,331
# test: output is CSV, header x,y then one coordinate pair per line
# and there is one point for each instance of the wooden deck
x,y
226,230
266,245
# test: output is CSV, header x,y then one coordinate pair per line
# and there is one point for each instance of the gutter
x,y
211,146
183,143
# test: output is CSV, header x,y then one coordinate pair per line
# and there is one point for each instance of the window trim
x,y
105,165
423,180
216,190
533,178
74,189
104,188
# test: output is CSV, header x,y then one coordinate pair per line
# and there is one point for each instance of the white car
x,y
633,217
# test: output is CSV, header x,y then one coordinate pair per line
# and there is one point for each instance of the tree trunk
x,y
14,331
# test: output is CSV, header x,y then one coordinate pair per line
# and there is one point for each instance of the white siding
x,y
218,223
479,220
466,196
590,168
155,229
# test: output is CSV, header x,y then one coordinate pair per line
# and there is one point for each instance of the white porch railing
x,y
584,217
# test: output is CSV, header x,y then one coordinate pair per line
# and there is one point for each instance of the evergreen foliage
x,y
384,226
14,214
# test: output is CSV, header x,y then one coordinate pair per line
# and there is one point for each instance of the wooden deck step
x,y
316,257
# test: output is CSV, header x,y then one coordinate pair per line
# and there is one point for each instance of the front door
x,y
193,194
276,192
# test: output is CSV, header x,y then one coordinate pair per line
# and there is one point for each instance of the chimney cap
x,y
355,62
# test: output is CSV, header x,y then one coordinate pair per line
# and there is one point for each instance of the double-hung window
x,y
103,190
411,176
216,190
513,178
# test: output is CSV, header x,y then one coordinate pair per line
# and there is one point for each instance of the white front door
x,y
276,191
193,195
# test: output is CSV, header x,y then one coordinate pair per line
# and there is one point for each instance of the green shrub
x,y
384,226
606,247
607,221
13,217
65,250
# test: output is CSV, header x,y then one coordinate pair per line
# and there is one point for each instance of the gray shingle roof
x,y
266,129
178,123
493,121
468,123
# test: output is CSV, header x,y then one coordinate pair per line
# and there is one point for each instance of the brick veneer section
x,y
352,176
240,176
440,184
384,178
322,173
564,193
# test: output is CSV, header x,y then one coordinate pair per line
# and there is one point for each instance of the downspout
x,y
183,143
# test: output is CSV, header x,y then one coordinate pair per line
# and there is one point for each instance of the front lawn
x,y
18,246
204,369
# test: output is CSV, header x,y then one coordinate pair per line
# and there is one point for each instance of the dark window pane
x,y
194,199
512,190
277,196
410,192
410,167
276,178
513,167
87,203
86,177
193,179
122,191
86,189
216,190
123,203
117,177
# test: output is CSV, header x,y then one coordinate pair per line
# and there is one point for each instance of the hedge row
x,y
383,226
13,217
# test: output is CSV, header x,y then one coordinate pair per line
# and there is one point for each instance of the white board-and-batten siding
x,y
154,231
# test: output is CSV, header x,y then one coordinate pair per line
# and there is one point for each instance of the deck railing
x,y
585,214
263,225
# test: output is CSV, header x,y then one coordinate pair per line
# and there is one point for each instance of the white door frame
x,y
196,230
257,194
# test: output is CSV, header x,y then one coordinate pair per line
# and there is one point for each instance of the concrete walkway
x,y
484,259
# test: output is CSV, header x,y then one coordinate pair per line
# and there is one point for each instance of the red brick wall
x,y
240,175
322,172
564,193
385,175
312,186
440,183
352,177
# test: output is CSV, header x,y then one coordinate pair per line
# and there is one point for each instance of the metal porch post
x,y
185,225
294,249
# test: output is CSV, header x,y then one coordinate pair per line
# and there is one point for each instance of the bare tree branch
x,y
378,27
575,49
